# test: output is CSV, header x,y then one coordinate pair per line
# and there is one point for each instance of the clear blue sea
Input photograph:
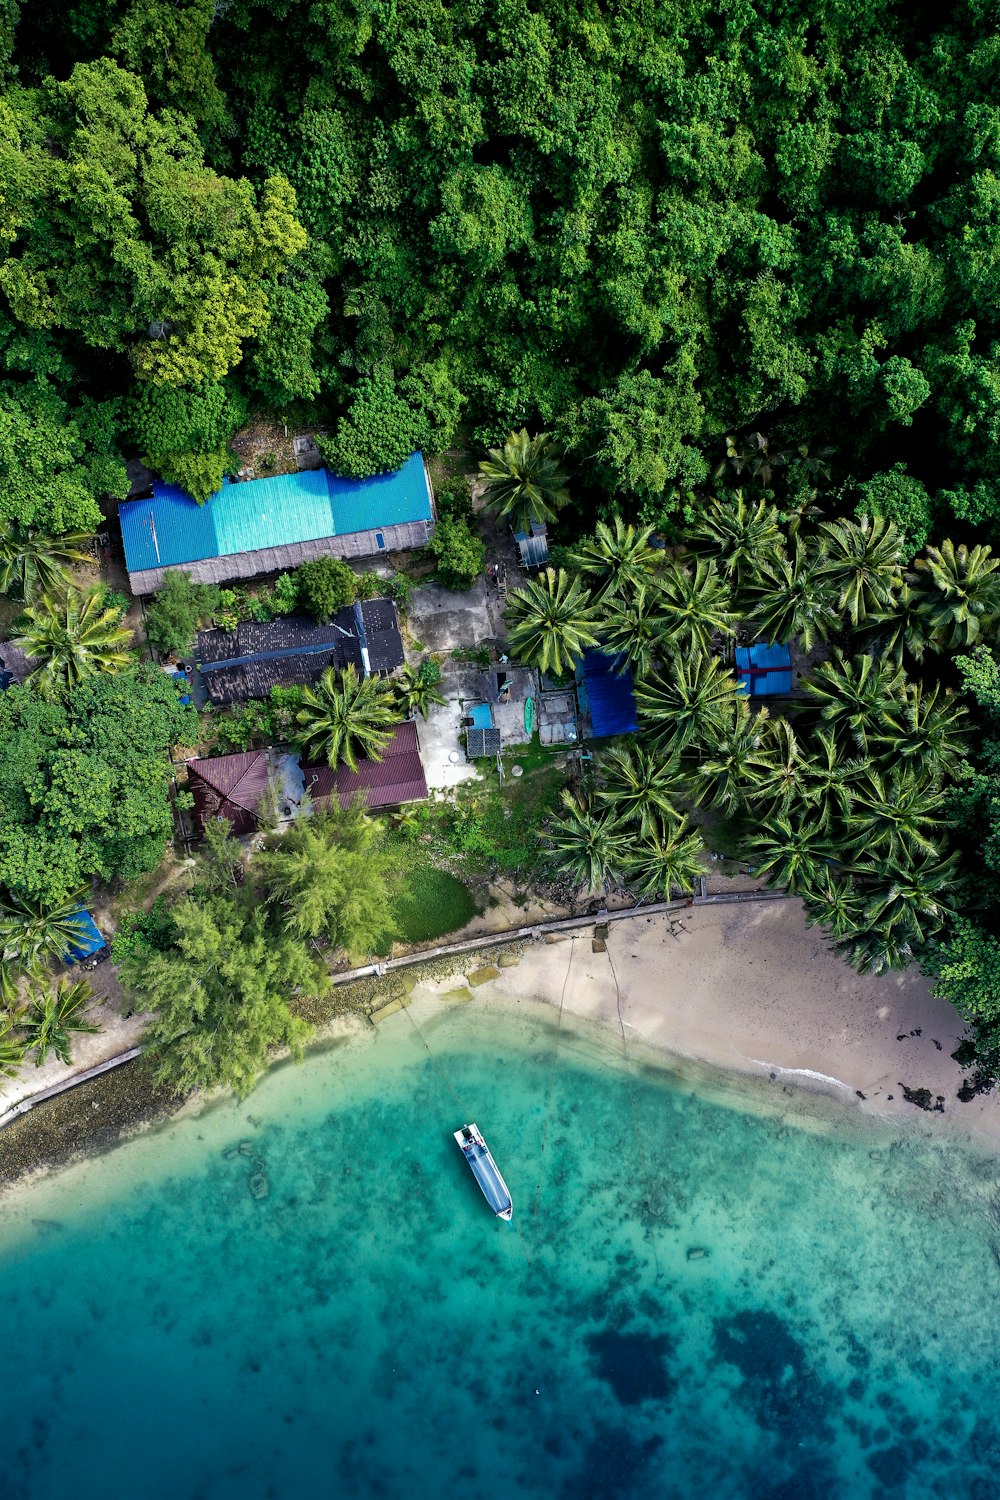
x,y
368,1329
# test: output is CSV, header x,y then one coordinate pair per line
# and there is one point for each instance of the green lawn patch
x,y
430,904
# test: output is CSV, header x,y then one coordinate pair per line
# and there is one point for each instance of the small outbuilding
x,y
234,786
764,671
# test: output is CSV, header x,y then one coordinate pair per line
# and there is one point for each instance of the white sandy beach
x,y
752,987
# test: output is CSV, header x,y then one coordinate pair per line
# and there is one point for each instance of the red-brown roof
x,y
230,786
398,777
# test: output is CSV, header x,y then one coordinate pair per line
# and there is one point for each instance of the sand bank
x,y
752,987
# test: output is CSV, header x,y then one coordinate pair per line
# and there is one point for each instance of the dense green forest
x,y
746,247
642,228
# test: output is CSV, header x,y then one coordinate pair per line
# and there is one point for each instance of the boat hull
x,y
485,1170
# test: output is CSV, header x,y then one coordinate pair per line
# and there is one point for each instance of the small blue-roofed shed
x,y
268,525
764,671
88,938
607,694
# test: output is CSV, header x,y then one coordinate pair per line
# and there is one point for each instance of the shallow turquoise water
x,y
369,1330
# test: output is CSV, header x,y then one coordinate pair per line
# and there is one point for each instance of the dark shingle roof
x,y
248,661
230,786
397,777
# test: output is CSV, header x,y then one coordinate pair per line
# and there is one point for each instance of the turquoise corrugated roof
x,y
172,529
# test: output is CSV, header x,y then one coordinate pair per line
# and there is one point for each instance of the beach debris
x,y
860,1094
230,1151
247,1148
698,1252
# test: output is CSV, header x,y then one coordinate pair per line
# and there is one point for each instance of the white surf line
x,y
803,1073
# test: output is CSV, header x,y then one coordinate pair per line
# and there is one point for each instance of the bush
x,y
116,600
178,610
367,586
285,594
456,500
399,588
377,434
460,555
900,498
144,932
326,585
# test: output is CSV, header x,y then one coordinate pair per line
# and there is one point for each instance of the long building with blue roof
x,y
257,526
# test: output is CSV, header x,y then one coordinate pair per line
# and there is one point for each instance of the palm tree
x,y
790,854
74,637
696,603
635,626
523,481
694,704
783,777
553,621
828,779
32,564
910,894
639,786
863,564
13,1045
921,732
668,857
731,773
857,697
955,593
895,816
415,692
345,717
835,903
740,536
790,597
872,950
619,560
32,934
53,1015
587,844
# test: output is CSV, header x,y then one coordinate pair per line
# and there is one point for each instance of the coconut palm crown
x,y
32,564
552,622
524,481
619,559
73,637
346,716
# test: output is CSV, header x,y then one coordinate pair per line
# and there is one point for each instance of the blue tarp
x,y
171,529
89,939
764,671
609,694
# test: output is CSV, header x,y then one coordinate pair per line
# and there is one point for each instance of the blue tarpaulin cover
x,y
609,694
763,671
89,939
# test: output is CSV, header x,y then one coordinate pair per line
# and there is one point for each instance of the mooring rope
x,y
644,1172
466,1117
552,1071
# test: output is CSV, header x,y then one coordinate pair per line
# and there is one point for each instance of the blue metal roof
x,y
609,693
764,671
88,938
172,529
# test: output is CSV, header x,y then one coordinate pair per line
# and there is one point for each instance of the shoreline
x,y
755,991
740,989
